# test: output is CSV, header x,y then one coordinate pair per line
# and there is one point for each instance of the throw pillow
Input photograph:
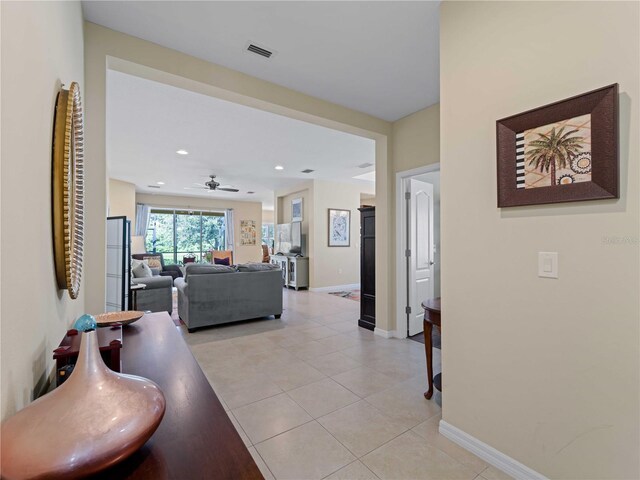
x,y
153,261
222,261
141,270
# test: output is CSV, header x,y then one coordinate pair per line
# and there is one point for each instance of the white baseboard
x,y
384,333
489,454
336,288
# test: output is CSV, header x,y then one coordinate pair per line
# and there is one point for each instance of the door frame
x,y
401,228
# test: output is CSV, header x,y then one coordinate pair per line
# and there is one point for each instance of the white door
x,y
421,248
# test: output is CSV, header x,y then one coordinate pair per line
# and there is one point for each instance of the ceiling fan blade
x,y
228,189
196,188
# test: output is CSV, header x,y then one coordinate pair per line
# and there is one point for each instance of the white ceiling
x,y
147,122
380,58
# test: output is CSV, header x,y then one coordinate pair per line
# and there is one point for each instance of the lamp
x,y
137,244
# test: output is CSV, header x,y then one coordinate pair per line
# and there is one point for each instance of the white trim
x,y
336,288
384,333
489,454
401,270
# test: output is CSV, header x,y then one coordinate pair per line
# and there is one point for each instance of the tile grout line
x,y
265,462
328,413
285,431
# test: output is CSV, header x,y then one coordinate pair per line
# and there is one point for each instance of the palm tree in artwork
x,y
554,150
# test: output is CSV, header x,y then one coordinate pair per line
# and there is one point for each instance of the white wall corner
x,y
489,454
384,333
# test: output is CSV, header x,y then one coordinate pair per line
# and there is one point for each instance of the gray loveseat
x,y
215,294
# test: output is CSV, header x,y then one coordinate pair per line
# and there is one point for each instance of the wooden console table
x,y
196,439
432,311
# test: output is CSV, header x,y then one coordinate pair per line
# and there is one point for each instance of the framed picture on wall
x,y
296,210
563,152
339,227
248,233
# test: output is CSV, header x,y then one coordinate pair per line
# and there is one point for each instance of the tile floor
x,y
313,396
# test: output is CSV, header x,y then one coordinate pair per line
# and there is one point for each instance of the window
x,y
178,233
267,234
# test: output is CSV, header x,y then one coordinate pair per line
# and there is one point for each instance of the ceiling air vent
x,y
259,50
308,170
250,193
365,165
153,186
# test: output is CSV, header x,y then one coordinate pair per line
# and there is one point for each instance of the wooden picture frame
x,y
585,127
339,227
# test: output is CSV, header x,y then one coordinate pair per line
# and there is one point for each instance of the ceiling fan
x,y
212,185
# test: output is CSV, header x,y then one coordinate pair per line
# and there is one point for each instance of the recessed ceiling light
x,y
279,167
160,183
182,151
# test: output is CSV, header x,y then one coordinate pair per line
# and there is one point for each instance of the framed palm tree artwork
x,y
563,152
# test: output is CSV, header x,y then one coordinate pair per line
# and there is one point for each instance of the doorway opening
x,y
417,246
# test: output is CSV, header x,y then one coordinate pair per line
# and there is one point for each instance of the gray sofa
x,y
216,294
157,295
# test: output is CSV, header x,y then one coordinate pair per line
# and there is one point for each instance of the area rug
x,y
350,294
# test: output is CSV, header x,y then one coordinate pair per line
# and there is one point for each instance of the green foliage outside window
x,y
177,233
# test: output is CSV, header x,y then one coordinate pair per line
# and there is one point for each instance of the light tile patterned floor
x,y
314,396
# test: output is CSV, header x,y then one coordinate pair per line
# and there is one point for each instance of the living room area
x,y
219,170
198,187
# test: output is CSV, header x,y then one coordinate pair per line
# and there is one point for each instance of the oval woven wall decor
x,y
68,189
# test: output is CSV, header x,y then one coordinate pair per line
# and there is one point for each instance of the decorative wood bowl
x,y
118,318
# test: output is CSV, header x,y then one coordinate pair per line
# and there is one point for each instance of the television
x,y
288,239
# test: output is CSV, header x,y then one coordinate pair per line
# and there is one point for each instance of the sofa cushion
x,y
205,269
256,267
140,269
153,283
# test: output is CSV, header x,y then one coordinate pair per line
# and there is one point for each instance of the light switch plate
x,y
548,264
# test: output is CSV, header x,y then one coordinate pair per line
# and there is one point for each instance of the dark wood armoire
x,y
367,267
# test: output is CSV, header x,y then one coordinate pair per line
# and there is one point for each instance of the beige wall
x,y
367,200
544,370
241,211
416,143
416,139
268,216
335,265
106,48
328,266
41,49
122,201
